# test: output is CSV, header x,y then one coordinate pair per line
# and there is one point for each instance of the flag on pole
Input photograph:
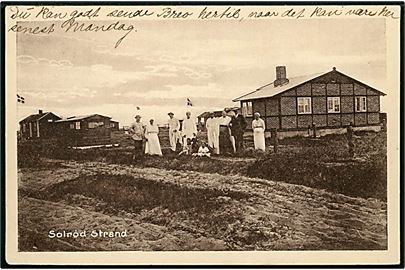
x,y
189,103
20,99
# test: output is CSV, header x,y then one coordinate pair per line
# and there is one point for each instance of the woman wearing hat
x,y
258,127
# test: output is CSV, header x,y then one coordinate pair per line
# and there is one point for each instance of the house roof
x,y
37,117
81,117
207,114
217,112
270,90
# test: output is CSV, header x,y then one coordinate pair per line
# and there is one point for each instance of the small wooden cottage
x,y
40,125
331,100
85,130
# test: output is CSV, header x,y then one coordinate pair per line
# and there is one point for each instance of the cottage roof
x,y
81,117
270,90
36,117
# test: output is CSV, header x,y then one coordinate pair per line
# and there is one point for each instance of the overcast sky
x,y
210,62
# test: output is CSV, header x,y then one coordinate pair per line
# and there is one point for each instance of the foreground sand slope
x,y
176,210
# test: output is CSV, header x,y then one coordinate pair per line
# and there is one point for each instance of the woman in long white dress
x,y
152,146
258,127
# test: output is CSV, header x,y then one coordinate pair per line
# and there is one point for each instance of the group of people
x,y
149,133
224,135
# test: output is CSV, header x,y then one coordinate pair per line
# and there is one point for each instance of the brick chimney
x,y
40,111
281,76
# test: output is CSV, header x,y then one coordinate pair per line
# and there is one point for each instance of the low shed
x,y
85,130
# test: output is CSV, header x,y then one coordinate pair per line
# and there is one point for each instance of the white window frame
x,y
77,125
305,103
92,125
335,104
363,103
247,108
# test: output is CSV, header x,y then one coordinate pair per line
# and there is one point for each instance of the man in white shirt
x,y
212,127
174,126
189,130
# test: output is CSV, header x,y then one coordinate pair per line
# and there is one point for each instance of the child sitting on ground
x,y
203,151
179,146
186,148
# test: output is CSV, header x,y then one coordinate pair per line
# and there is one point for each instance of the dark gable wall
x,y
48,129
85,135
281,111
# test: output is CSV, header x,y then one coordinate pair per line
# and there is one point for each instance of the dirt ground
x,y
161,209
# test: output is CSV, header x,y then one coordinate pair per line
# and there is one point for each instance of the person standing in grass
x,y
225,143
189,130
212,127
258,127
137,134
152,146
238,126
174,126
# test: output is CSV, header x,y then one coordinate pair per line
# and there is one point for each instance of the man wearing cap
x,y
174,126
137,132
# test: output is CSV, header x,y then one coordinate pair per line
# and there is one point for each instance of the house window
x,y
77,125
304,105
333,104
247,109
24,127
72,126
360,104
95,124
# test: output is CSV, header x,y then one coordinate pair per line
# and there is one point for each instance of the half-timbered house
x,y
329,101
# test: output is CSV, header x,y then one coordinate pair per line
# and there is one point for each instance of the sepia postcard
x,y
202,133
